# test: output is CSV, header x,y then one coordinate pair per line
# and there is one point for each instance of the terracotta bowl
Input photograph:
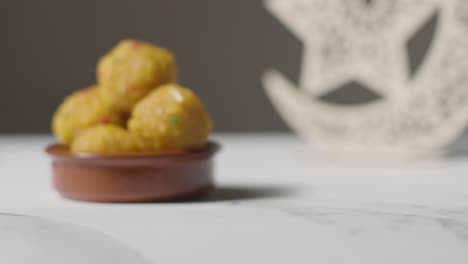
x,y
132,177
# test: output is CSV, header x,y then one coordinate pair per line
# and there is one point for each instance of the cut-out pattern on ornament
x,y
418,45
424,95
352,93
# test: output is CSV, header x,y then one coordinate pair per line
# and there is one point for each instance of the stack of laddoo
x,y
136,106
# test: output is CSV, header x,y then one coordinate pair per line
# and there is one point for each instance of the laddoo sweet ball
x,y
105,139
131,69
80,110
171,118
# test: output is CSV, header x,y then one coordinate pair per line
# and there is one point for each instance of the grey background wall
x,y
50,48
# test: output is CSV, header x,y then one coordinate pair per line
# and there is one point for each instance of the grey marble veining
x,y
354,219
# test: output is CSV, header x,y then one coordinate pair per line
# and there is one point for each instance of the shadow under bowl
x,y
141,177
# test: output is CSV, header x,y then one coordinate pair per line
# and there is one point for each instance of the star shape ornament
x,y
367,41
354,40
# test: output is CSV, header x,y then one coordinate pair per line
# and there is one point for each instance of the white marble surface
x,y
278,202
26,240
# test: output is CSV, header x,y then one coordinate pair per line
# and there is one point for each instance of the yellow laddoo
x,y
105,139
80,110
171,118
131,69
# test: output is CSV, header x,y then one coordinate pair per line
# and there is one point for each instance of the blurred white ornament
x,y
419,102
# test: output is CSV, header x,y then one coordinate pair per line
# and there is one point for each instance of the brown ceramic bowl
x,y
132,177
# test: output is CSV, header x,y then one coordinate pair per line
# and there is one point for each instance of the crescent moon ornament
x,y
419,103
